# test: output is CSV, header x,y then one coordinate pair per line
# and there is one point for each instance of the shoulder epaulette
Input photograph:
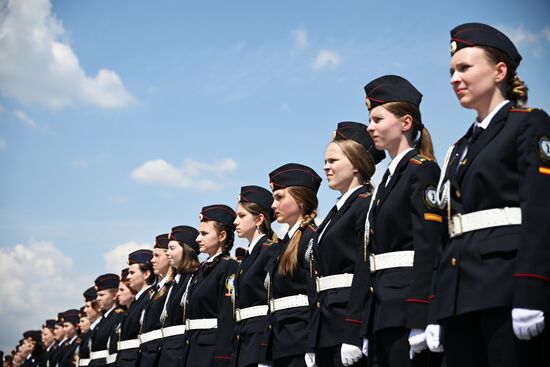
x,y
365,195
268,243
419,159
119,310
524,109
312,228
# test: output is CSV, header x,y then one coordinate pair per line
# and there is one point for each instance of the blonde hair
x,y
308,200
359,158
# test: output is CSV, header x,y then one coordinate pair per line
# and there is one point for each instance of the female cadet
x,y
405,227
48,341
150,333
493,278
106,286
92,312
208,300
253,222
182,254
350,161
70,326
290,282
140,280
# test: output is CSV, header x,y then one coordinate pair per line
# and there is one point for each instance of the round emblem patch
x,y
368,103
272,186
201,216
430,198
453,47
230,285
544,149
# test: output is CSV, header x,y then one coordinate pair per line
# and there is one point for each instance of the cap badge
x,y
368,103
453,47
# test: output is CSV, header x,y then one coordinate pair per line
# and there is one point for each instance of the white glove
x,y
350,354
310,360
365,348
417,341
527,323
433,338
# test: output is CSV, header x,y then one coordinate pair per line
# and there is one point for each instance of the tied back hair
x,y
514,89
424,142
227,245
308,198
360,158
265,228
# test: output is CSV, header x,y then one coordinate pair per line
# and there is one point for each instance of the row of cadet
x,y
431,268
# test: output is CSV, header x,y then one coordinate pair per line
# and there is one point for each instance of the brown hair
x,y
189,261
308,200
227,244
516,89
359,158
257,209
401,109
151,279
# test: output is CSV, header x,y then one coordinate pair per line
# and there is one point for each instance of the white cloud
x,y
22,116
326,59
38,281
117,258
188,175
37,65
546,33
300,38
3,144
519,35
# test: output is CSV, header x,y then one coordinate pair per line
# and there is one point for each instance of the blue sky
x,y
121,119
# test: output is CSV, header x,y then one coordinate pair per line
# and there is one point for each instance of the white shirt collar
x,y
483,124
163,281
393,164
345,197
95,323
141,292
73,339
253,243
177,277
293,230
108,312
211,258
61,342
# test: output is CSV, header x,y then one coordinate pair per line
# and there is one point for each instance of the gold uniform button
x,y
453,261
318,304
238,337
458,194
187,341
371,289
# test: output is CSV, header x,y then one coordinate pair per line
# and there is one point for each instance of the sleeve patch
x,y
544,149
433,217
544,170
230,285
430,198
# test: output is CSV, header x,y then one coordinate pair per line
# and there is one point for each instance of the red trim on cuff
x,y
417,300
353,321
536,276
222,357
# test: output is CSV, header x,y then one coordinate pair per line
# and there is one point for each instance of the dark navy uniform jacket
x,y
172,347
287,332
337,252
102,332
250,291
129,329
508,165
150,351
210,297
404,217
69,359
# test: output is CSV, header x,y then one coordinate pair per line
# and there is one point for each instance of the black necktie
x,y
471,139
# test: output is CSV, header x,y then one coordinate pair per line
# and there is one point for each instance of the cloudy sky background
x,y
121,119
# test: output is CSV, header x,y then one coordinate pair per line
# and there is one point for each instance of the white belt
x,y
283,303
111,358
201,324
128,344
173,330
334,281
462,223
249,312
84,362
395,259
99,354
150,336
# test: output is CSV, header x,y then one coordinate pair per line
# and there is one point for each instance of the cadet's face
x,y
105,299
287,210
124,295
59,333
136,278
91,312
208,239
160,261
385,128
473,77
84,324
174,254
246,223
69,329
338,169
48,337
